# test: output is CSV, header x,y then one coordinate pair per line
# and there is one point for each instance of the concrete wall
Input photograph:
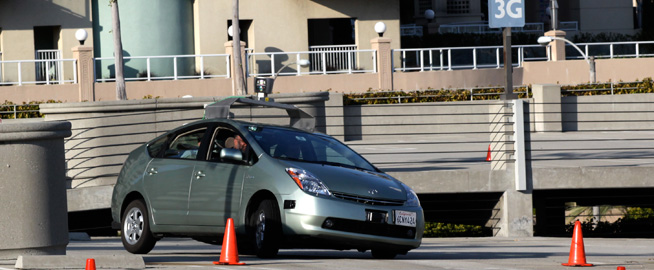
x,y
619,112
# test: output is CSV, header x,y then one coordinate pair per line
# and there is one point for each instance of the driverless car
x,y
284,187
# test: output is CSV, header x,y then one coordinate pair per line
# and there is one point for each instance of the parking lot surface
x,y
435,253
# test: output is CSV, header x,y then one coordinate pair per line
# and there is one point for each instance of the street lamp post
x,y
544,40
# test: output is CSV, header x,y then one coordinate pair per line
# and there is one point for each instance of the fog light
x,y
409,233
328,223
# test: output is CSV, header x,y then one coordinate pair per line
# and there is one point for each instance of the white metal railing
x,y
411,30
148,75
449,58
26,72
625,49
349,61
482,28
51,69
336,57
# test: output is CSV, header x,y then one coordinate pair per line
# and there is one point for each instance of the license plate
x,y
405,218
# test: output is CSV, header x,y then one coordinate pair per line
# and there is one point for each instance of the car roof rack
x,y
299,118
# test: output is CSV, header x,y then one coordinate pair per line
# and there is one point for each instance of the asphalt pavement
x,y
435,253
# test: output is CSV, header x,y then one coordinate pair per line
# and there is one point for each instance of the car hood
x,y
355,182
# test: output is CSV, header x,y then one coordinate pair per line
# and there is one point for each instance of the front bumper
x,y
349,224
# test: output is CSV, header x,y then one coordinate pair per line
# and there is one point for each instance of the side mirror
x,y
231,154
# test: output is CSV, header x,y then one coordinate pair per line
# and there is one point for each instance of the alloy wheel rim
x,y
261,228
133,227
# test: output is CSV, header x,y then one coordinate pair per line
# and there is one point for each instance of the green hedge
x,y
446,95
24,110
437,229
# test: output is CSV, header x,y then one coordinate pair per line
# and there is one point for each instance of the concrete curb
x,y
79,262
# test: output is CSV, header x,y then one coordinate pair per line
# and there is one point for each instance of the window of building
x,y
458,6
244,26
46,41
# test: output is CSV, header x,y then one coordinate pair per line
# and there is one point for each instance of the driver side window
x,y
224,137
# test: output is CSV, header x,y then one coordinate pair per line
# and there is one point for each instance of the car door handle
x,y
152,171
199,174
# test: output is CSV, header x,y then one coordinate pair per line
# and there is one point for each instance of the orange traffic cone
x,y
229,253
488,156
577,252
622,268
90,264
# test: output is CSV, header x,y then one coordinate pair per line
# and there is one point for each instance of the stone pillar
x,y
547,107
515,207
516,218
335,109
33,189
558,46
229,49
384,62
85,76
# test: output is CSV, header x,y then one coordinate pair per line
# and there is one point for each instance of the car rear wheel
x,y
136,234
266,229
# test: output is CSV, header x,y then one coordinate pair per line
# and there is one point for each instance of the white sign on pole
x,y
506,13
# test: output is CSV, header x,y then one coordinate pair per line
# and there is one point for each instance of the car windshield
x,y
287,144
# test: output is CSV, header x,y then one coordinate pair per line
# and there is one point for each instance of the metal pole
x,y
508,66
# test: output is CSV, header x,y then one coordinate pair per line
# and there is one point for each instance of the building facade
x,y
588,16
184,27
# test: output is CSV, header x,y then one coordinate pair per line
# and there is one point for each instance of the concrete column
x,y
547,107
229,49
335,116
516,218
558,46
33,189
85,76
384,62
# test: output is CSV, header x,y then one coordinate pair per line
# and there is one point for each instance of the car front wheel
x,y
266,229
136,234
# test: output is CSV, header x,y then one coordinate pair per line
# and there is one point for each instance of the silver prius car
x,y
284,188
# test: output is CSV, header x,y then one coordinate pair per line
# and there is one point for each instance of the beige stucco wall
x,y
577,71
17,26
282,24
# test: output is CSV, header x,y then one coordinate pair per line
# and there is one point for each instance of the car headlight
x,y
307,182
411,197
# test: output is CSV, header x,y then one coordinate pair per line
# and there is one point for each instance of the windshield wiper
x,y
327,163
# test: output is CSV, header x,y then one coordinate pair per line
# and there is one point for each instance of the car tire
x,y
266,230
136,235
383,254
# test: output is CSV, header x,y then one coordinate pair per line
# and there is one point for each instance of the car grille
x,y
364,227
366,200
